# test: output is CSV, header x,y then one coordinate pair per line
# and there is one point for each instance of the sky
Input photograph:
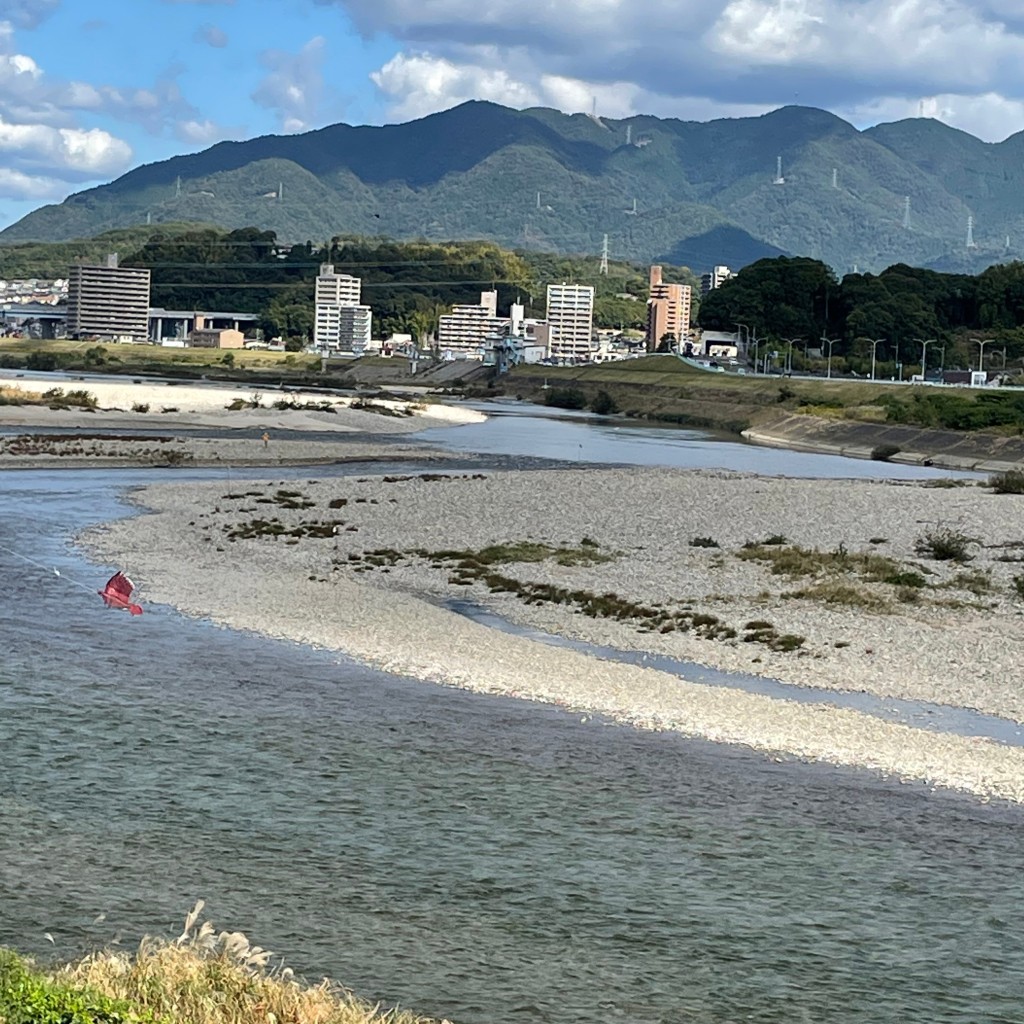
x,y
91,88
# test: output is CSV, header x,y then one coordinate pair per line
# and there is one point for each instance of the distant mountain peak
x,y
704,192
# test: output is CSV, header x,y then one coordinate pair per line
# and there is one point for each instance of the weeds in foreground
x,y
204,977
945,544
1010,482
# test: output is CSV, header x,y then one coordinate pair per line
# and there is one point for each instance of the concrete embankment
x,y
953,449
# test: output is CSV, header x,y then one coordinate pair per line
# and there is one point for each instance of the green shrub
x,y
565,398
28,997
704,542
945,544
1018,586
42,361
1010,482
603,404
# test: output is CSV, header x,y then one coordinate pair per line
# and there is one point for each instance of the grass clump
x,y
523,551
1010,482
1018,586
704,542
844,594
204,977
56,398
945,544
32,996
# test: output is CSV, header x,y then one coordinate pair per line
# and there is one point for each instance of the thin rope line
x,y
47,568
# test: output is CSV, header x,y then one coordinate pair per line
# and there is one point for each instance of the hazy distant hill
x,y
704,192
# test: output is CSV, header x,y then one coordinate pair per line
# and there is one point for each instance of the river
x,y
483,859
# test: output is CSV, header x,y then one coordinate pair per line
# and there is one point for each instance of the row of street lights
x,y
875,342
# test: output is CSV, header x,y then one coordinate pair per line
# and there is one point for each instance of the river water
x,y
485,859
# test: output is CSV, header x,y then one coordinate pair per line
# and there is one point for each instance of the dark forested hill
x,y
684,192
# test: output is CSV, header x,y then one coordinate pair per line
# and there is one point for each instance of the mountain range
x,y
684,192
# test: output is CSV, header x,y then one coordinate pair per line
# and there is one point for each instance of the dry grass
x,y
206,977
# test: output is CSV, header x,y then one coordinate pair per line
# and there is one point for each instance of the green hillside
x,y
660,189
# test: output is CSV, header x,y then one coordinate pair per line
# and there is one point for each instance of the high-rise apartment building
x,y
718,276
468,328
570,318
668,312
341,322
108,301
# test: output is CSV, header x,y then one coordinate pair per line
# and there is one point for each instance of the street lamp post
x,y
740,335
757,352
942,359
924,353
981,343
874,347
830,342
789,353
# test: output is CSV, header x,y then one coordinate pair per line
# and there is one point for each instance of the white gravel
x,y
954,647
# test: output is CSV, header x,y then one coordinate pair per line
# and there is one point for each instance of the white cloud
x,y
695,55
26,13
989,116
204,132
65,153
293,87
18,185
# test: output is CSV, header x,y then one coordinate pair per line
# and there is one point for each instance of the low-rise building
x,y
467,331
216,337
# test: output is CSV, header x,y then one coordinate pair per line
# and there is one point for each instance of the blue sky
x,y
89,89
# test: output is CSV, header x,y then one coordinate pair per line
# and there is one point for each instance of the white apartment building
x,y
570,321
467,329
108,301
341,322
715,279
343,327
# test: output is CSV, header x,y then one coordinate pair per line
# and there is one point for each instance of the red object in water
x,y
118,594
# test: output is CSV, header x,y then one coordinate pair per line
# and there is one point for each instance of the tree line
x,y
796,302
408,284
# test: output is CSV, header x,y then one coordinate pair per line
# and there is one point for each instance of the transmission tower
x,y
629,135
906,212
604,257
835,177
177,188
971,244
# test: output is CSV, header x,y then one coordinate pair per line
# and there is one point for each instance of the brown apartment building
x,y
668,311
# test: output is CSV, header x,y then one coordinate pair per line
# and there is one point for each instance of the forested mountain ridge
x,y
693,193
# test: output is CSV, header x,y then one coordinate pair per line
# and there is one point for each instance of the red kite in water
x,y
118,594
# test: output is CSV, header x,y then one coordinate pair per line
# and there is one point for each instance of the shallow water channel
x,y
484,859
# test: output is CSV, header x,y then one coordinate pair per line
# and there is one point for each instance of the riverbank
x,y
119,425
978,451
693,565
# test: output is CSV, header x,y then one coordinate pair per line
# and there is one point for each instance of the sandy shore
x,y
359,565
170,409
